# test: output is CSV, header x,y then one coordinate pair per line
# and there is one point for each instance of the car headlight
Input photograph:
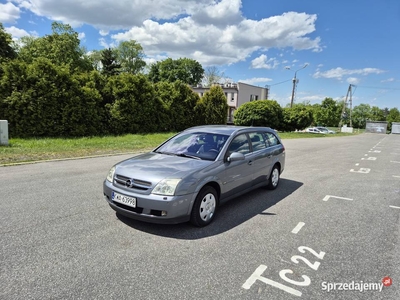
x,y
110,175
166,187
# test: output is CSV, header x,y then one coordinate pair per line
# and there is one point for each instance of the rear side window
x,y
239,144
272,139
258,141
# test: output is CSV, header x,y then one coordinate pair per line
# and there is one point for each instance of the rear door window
x,y
258,141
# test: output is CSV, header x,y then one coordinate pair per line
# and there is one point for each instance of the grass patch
x,y
26,150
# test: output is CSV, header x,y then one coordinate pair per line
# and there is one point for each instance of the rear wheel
x,y
204,207
274,178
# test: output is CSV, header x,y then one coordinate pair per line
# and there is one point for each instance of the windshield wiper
x,y
188,156
178,154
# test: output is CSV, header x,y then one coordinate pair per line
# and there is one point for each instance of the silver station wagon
x,y
188,176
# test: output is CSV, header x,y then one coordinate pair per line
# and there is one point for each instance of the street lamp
x,y
295,80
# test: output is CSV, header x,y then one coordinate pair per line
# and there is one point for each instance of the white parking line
x,y
394,206
357,164
342,198
298,227
396,162
396,176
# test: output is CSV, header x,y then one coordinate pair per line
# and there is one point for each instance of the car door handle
x,y
250,162
269,156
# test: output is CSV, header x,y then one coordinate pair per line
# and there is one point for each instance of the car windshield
x,y
197,145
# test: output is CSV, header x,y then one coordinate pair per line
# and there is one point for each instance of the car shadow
x,y
229,215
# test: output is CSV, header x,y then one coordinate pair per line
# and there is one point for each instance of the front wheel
x,y
204,207
273,180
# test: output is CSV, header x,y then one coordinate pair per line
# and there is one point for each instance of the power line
x,y
378,87
279,82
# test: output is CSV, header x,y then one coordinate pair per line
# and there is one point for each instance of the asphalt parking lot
x,y
331,229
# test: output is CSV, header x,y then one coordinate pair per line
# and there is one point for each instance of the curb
x,y
66,159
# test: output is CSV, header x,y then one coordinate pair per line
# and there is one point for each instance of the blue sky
x,y
260,42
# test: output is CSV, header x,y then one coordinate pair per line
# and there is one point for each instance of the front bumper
x,y
149,208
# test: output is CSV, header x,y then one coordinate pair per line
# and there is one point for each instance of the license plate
x,y
130,201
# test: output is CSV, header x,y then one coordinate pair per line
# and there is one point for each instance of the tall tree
x,y
213,106
377,114
6,49
184,69
360,114
110,65
393,116
328,113
62,48
212,75
130,55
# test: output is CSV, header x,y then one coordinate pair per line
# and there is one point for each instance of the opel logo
x,y
128,183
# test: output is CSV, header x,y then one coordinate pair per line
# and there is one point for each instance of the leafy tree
x,y
180,103
6,49
130,56
328,113
360,115
62,48
110,65
297,117
213,106
377,114
393,116
260,113
184,69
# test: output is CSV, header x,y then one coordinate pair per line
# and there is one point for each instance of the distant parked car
x,y
325,130
189,175
314,130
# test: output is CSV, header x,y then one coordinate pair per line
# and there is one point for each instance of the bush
x,y
180,102
296,117
136,108
260,113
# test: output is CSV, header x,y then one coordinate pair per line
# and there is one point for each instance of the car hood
x,y
153,167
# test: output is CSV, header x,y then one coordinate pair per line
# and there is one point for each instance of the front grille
x,y
135,183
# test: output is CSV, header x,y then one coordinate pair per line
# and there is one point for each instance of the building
x,y
236,95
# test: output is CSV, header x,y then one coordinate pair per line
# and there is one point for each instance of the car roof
x,y
226,129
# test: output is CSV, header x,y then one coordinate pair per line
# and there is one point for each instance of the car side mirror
x,y
235,156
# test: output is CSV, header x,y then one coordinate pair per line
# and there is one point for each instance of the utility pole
x,y
344,114
295,81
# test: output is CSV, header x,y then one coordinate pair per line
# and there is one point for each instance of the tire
x,y
204,207
274,178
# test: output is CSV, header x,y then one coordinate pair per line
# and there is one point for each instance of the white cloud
x,y
111,14
9,13
388,80
339,73
16,32
81,35
212,45
353,80
255,80
210,31
263,62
